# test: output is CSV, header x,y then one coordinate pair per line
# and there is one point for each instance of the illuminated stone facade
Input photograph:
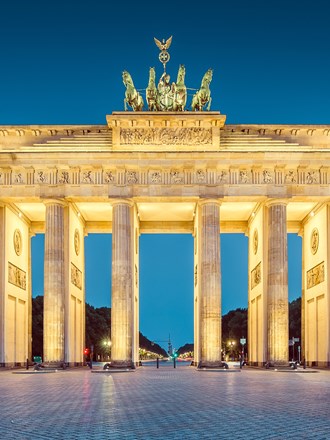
x,y
156,172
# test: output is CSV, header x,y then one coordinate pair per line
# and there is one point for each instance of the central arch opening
x,y
166,288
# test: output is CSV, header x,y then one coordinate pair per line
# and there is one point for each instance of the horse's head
x,y
127,79
181,74
209,75
152,76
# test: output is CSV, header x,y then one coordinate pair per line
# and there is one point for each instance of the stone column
x,y
210,283
54,295
277,284
122,310
30,301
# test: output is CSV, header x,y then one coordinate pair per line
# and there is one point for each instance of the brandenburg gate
x,y
164,171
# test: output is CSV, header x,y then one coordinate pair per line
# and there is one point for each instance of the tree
x,y
186,349
37,326
234,325
98,326
295,319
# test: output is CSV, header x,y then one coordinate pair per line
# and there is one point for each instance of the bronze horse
x,y
203,95
132,96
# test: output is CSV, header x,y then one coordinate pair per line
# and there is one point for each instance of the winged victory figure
x,y
163,45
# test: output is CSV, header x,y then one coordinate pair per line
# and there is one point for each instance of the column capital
x,y
271,202
128,202
207,201
50,201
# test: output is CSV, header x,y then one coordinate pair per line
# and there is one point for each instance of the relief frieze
x,y
199,176
76,276
131,177
41,177
243,176
267,177
290,177
109,177
87,177
311,177
222,177
16,276
156,177
64,177
315,275
165,136
256,276
176,178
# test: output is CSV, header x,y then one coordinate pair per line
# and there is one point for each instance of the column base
x,y
277,363
122,364
75,364
214,364
319,364
54,365
12,364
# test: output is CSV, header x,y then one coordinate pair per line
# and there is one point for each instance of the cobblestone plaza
x,y
180,403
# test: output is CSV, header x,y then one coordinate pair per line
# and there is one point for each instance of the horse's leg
x,y
125,104
193,103
209,106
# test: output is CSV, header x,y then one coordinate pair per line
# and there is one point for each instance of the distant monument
x,y
167,96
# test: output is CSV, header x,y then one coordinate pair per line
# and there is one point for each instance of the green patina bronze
x,y
167,96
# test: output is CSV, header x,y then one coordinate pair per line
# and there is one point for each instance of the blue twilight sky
x,y
61,63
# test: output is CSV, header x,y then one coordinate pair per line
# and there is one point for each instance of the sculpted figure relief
x,y
314,240
169,136
64,177
18,241
311,177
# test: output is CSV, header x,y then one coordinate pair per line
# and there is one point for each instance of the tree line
x,y
97,330
98,325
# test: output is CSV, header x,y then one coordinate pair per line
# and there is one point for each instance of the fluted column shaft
x,y
122,284
210,283
54,284
277,286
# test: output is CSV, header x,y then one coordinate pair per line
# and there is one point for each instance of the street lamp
x,y
231,345
107,346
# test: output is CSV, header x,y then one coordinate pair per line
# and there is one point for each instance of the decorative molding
x,y
256,276
16,276
315,275
76,276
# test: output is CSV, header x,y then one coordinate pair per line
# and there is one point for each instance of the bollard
x,y
174,363
157,362
27,363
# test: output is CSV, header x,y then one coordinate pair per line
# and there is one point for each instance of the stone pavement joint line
x,y
165,403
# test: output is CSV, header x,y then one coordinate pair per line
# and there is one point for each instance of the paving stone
x,y
179,403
